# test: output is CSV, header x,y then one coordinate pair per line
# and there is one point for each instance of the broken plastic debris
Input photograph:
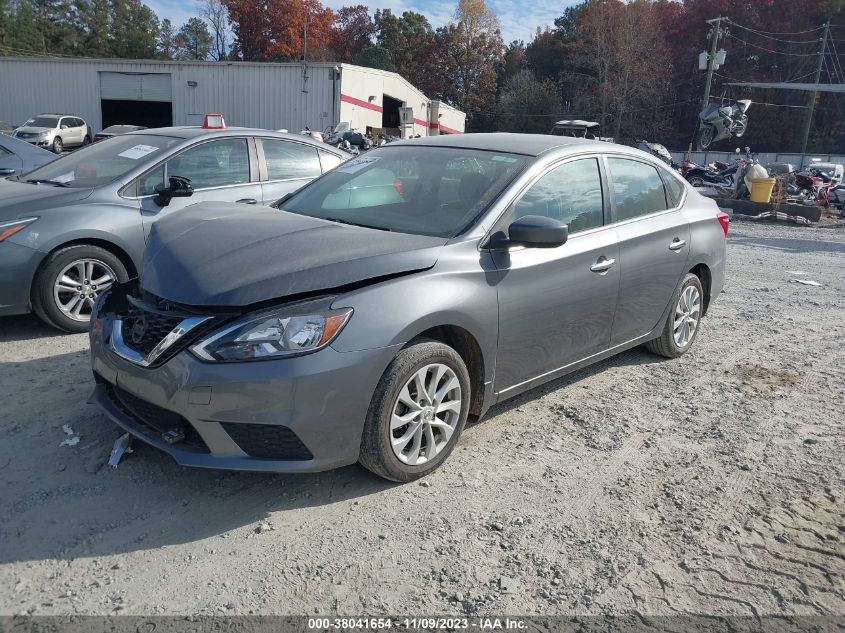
x,y
122,445
807,282
72,438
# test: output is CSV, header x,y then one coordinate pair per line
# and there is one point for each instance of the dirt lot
x,y
712,484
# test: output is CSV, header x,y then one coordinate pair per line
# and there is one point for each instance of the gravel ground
x,y
711,484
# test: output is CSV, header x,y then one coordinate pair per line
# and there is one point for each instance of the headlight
x,y
44,135
277,333
8,229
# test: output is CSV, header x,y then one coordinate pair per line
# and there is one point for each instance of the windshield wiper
x,y
55,183
366,226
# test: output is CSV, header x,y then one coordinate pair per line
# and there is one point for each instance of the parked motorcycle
x,y
718,122
735,181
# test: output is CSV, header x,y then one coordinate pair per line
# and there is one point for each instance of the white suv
x,y
54,131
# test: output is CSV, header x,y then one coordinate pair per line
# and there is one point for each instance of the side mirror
x,y
178,188
535,231
64,127
6,171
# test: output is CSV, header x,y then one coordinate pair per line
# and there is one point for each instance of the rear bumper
x,y
302,414
17,268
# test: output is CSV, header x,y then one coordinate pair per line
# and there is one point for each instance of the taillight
x,y
725,221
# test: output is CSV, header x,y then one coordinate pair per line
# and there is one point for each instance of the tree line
x,y
631,65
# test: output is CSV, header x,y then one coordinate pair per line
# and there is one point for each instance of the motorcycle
x,y
735,181
718,122
699,176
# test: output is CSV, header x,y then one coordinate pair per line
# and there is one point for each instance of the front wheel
x,y
683,320
705,136
68,283
58,146
417,413
696,181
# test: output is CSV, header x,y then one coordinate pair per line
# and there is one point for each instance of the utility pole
x,y
715,33
808,121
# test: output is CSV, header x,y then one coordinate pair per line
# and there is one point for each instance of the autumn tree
x,y
353,31
275,30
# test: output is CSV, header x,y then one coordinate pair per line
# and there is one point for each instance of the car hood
x,y
36,130
224,254
21,199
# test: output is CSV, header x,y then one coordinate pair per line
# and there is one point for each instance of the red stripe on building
x,y
362,103
449,130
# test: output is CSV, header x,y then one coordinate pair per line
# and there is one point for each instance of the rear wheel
x,y
58,146
683,320
696,181
66,287
417,413
86,141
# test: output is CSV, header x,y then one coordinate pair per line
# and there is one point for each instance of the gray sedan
x,y
18,157
76,225
397,295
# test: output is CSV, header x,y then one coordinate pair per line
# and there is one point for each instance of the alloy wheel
x,y
687,315
425,414
77,286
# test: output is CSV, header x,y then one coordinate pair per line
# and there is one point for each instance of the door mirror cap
x,y
535,231
179,188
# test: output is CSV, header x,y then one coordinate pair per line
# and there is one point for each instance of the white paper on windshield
x,y
64,177
357,164
138,151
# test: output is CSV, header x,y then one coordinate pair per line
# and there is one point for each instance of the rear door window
x,y
637,188
287,160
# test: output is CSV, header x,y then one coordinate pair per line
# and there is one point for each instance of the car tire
x,y
86,141
58,146
380,451
53,304
676,339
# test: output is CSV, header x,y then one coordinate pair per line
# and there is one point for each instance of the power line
x,y
813,30
772,37
769,50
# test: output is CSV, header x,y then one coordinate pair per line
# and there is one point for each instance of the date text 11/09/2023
x,y
416,624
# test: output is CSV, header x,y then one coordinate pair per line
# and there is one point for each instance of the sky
x,y
519,19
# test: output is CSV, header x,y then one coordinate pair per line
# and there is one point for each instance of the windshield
x,y
42,121
422,190
101,163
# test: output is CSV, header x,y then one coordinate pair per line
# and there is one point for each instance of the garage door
x,y
135,86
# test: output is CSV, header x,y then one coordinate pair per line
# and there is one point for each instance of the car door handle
x,y
677,244
248,201
602,265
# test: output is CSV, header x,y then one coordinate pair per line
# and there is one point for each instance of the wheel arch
x,y
702,271
468,348
111,247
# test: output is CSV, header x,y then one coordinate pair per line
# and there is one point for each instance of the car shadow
x,y
61,501
789,245
24,328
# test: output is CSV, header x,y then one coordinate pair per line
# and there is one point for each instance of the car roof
x,y
526,144
194,132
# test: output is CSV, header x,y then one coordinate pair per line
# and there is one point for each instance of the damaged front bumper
x,y
299,414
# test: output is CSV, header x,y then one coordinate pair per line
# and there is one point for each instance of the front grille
x,y
151,326
268,441
146,322
152,420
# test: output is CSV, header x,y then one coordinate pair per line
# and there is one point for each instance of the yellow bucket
x,y
761,189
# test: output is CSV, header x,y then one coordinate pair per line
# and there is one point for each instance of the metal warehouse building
x,y
264,95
